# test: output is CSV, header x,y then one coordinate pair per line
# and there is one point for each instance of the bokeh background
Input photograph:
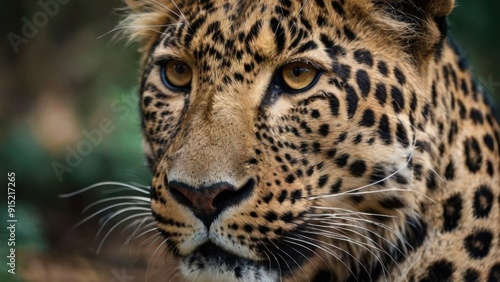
x,y
70,85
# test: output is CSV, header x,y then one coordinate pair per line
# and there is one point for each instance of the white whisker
x,y
180,12
118,212
307,248
140,201
149,262
146,232
101,184
346,238
138,227
116,225
335,247
378,224
143,27
100,211
276,259
288,255
328,251
340,225
350,192
302,7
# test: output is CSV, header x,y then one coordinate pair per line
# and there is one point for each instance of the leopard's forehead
x,y
231,45
240,35
283,24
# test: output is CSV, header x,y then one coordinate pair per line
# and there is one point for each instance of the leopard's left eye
x,y
298,75
176,75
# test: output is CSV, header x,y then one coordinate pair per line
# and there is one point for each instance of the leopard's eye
x,y
176,75
298,75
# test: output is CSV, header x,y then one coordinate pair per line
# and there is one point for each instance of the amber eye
x,y
298,75
176,74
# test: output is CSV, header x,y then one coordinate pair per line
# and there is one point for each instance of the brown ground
x,y
74,258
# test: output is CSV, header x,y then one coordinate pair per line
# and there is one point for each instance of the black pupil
x,y
180,68
298,71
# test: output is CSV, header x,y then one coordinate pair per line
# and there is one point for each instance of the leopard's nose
x,y
208,202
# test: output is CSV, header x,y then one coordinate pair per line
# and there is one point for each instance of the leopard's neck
x,y
462,147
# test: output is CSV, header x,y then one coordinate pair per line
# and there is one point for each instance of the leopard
x,y
313,140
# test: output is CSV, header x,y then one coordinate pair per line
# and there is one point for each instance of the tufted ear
x,y
145,20
421,24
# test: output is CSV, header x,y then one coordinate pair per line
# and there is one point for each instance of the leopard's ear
x,y
421,24
145,20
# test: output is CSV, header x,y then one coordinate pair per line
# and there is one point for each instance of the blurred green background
x,y
57,89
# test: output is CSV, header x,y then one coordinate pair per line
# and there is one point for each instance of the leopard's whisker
x,y
101,211
340,236
339,225
408,161
343,236
102,184
149,262
114,227
142,186
283,259
334,220
167,9
181,14
140,226
145,232
302,7
176,276
135,224
351,193
384,226
120,28
151,239
121,211
334,215
304,256
275,258
133,200
318,245
260,243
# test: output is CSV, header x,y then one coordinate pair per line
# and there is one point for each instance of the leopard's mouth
x,y
213,263
211,254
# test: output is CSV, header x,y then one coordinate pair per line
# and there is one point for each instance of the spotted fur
x,y
386,169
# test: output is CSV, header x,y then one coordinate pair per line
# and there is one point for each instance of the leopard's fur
x,y
387,168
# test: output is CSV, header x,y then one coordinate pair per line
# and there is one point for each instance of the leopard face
x,y
313,140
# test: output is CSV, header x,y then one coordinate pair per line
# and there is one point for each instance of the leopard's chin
x,y
211,263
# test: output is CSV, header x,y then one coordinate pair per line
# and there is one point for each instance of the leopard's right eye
x,y
176,75
298,76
